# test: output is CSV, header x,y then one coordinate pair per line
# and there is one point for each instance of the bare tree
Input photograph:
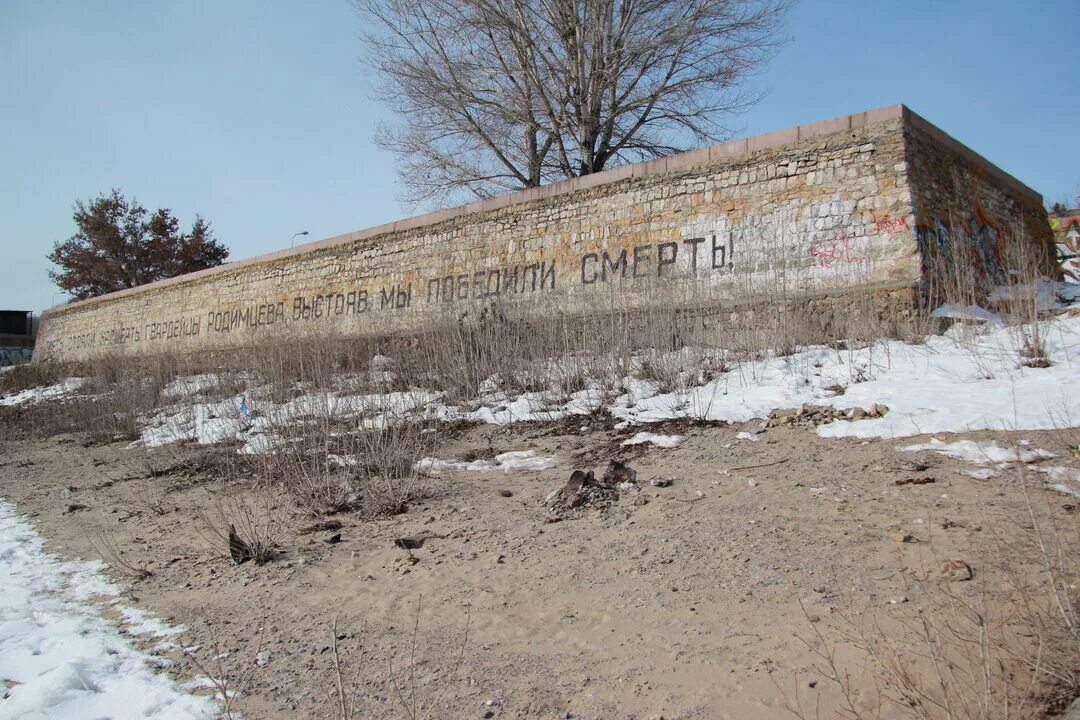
x,y
496,95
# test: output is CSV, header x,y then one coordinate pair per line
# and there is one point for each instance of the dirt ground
x,y
702,602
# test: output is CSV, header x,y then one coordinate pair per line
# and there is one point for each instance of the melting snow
x,y
507,461
664,441
978,453
40,394
64,660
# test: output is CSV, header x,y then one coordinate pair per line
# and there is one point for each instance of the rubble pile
x,y
812,415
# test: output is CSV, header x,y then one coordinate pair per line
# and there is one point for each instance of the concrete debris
x,y
582,489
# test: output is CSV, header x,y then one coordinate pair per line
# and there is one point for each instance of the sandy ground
x,y
694,604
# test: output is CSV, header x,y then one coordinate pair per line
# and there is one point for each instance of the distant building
x,y
16,336
1066,228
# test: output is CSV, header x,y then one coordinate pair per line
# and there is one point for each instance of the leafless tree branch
x,y
497,95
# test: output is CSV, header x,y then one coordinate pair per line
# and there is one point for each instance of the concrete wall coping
x,y
713,155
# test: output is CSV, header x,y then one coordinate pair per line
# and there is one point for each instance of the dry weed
x,y
1004,645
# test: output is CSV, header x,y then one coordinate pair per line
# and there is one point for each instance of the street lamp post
x,y
292,242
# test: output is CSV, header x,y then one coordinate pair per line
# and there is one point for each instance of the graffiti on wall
x,y
14,355
712,253
840,250
976,242
708,247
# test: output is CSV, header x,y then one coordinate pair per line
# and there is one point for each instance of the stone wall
x,y
815,210
971,216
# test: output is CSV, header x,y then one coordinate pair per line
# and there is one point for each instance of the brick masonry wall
x,y
819,209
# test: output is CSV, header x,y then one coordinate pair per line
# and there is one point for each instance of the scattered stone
x,y
812,415
333,539
506,493
263,658
641,500
325,526
413,542
752,483
618,473
582,489
552,519
661,482
956,570
903,537
915,481
74,508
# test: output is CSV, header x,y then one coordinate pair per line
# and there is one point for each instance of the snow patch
x,y
664,441
978,453
507,461
66,660
40,394
1064,479
182,387
971,313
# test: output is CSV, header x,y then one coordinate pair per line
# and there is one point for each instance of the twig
x,y
759,465
343,705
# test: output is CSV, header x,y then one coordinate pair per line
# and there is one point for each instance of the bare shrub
x,y
366,466
248,524
111,553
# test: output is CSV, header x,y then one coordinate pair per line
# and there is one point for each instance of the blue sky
x,y
258,115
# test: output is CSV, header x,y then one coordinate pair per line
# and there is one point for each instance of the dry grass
x,y
1004,645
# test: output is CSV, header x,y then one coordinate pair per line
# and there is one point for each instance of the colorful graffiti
x,y
978,242
837,251
1066,229
14,355
889,224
